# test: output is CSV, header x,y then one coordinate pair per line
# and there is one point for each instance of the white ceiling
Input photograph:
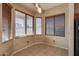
x,y
44,6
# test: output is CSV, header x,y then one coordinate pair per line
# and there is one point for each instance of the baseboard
x,y
61,47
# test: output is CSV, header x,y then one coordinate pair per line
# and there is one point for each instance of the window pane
x,y
20,23
38,26
59,26
29,25
50,25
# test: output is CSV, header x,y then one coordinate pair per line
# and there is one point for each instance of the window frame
x,y
25,23
54,24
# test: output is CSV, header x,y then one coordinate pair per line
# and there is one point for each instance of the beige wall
x,y
62,42
70,34
1,46
8,47
55,11
5,48
0,22
66,42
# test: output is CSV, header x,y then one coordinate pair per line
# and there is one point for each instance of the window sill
x,y
23,36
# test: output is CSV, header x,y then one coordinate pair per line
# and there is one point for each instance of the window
x,y
59,26
24,24
6,22
20,23
38,26
55,25
50,25
29,25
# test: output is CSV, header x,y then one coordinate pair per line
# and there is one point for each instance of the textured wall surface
x,y
56,11
8,47
21,42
